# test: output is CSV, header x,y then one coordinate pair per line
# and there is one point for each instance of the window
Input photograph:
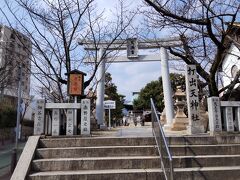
x,y
12,36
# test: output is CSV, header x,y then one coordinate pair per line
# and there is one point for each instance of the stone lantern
x,y
180,122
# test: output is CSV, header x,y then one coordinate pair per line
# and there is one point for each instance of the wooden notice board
x,y
75,84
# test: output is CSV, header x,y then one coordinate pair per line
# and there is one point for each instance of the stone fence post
x,y
214,113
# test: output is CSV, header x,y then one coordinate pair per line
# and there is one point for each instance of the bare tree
x,y
206,29
54,28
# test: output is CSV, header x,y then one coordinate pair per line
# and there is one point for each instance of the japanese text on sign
x,y
109,104
69,122
55,122
192,93
75,84
85,117
39,117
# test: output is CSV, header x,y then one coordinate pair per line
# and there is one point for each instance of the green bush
x,y
8,118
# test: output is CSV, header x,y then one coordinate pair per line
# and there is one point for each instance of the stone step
x,y
206,161
116,174
95,141
197,173
204,139
189,150
136,141
100,151
96,163
207,173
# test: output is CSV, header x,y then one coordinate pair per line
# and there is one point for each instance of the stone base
x,y
195,129
167,127
163,117
180,124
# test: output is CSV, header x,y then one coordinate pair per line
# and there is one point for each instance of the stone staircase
x,y
107,158
206,157
96,159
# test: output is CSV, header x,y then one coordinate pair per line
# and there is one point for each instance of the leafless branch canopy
x,y
206,29
54,27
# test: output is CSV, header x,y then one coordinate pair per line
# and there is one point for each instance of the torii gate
x,y
132,46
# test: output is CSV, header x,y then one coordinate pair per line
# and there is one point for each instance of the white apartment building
x,y
15,50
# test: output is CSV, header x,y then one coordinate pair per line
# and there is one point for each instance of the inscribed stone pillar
x,y
195,125
70,118
39,117
214,113
85,117
55,122
228,119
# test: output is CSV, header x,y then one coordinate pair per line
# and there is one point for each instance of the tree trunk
x,y
212,85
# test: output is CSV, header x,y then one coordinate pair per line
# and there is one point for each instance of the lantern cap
x,y
75,71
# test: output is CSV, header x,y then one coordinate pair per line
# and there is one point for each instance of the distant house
x,y
231,61
135,95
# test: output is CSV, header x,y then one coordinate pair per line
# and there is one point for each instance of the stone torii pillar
x,y
100,90
167,90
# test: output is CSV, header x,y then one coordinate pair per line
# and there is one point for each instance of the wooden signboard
x,y
75,84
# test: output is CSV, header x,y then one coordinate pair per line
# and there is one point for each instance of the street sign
x,y
109,104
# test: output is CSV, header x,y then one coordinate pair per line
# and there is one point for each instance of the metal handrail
x,y
162,146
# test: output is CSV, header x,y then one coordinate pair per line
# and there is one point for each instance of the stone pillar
x,y
195,125
39,117
70,122
55,122
214,113
100,91
228,119
237,118
85,117
167,90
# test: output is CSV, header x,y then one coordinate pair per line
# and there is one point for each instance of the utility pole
x,y
14,155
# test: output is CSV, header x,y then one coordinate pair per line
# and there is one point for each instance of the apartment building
x,y
15,51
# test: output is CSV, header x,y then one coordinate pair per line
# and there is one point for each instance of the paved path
x,y
5,158
127,131
134,131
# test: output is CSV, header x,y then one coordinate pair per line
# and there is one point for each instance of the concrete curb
x,y
24,162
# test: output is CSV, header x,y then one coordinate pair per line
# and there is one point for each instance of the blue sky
x,y
131,77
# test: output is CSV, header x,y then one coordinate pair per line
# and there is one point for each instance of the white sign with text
x,y
109,104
